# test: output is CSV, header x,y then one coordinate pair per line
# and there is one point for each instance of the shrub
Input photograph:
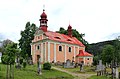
x,y
21,60
24,64
47,66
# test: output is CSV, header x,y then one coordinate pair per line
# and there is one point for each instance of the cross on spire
x,y
44,7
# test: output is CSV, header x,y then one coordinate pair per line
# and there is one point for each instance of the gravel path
x,y
76,75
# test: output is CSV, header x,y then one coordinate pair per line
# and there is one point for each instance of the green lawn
x,y
86,70
99,77
30,73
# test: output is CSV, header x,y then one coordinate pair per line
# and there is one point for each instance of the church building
x,y
55,47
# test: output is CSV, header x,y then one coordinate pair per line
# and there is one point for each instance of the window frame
x,y
59,48
69,49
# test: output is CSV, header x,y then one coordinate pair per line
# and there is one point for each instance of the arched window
x,y
69,49
38,47
60,48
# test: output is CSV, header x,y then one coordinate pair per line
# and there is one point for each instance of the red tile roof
x,y
62,38
83,53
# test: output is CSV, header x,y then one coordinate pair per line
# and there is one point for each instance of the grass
x,y
87,69
98,77
30,72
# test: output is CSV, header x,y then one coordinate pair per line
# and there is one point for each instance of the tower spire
x,y
43,21
44,7
69,30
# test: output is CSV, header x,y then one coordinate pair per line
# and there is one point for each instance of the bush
x,y
24,64
47,66
21,60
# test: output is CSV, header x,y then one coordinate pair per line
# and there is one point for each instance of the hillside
x,y
96,48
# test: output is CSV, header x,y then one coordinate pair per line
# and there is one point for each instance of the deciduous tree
x,y
9,59
26,38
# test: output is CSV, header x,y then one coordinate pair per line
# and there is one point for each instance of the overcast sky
x,y
98,19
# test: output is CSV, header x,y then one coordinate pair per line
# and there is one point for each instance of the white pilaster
x,y
84,60
54,52
65,53
78,50
34,53
45,51
48,51
74,53
41,52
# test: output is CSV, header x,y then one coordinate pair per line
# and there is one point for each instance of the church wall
x,y
51,52
88,62
60,54
69,54
46,51
76,51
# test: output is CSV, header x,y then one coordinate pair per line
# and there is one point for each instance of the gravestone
x,y
81,66
18,66
100,68
68,64
114,67
116,73
39,66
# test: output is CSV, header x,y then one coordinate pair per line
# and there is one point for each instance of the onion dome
x,y
43,15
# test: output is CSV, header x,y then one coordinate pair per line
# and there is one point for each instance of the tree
x,y
26,38
4,44
108,54
75,33
9,59
117,51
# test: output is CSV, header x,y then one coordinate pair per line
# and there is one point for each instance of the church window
x,y
60,48
87,58
38,47
69,49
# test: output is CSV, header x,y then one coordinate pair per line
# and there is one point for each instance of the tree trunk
x,y
7,73
10,72
13,71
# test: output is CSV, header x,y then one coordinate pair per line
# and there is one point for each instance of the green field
x,y
86,70
99,77
30,72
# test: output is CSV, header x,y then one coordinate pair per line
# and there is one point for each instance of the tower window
x,y
60,48
69,49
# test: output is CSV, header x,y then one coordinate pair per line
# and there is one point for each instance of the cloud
x,y
96,19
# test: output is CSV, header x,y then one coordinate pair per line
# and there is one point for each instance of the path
x,y
76,75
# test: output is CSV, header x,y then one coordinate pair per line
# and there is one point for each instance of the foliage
x,y
108,54
4,43
95,60
9,59
117,51
75,33
24,64
26,38
21,60
47,66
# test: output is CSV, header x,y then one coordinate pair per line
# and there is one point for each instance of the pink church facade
x,y
54,47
